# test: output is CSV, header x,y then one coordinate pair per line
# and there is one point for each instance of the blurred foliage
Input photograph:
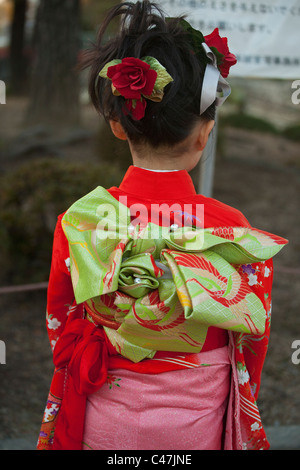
x,y
246,121
238,98
31,198
292,132
94,12
240,120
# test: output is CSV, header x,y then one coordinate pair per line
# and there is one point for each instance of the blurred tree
x,y
17,60
54,95
94,11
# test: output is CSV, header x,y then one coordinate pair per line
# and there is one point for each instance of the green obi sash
x,y
162,288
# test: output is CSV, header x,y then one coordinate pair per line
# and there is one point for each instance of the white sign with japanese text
x,y
263,34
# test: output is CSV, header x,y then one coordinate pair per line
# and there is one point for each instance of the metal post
x,y
207,164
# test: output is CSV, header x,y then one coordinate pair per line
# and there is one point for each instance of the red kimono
x,y
149,188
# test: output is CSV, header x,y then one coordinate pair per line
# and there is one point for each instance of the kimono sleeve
x,y
259,277
60,294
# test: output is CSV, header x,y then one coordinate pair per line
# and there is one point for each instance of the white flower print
x,y
243,376
53,323
267,272
255,426
49,412
252,279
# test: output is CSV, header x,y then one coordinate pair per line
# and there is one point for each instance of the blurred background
x,y
54,148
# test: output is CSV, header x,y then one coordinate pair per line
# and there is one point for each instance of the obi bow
x,y
161,289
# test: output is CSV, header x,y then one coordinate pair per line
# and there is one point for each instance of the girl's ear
x,y
118,130
204,131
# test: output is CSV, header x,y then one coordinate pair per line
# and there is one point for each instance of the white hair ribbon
x,y
213,83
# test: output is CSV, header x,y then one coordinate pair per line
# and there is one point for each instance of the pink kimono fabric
x,y
187,409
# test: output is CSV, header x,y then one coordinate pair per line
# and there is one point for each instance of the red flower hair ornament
x,y
212,50
137,80
214,41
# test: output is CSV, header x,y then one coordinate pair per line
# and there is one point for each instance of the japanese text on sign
x,y
264,35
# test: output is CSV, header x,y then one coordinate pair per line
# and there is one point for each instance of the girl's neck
x,y
152,159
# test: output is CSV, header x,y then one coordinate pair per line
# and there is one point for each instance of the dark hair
x,y
145,32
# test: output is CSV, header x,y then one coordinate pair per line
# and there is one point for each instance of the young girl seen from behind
x,y
159,299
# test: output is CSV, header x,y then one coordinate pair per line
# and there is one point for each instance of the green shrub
x,y
292,132
246,121
31,198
